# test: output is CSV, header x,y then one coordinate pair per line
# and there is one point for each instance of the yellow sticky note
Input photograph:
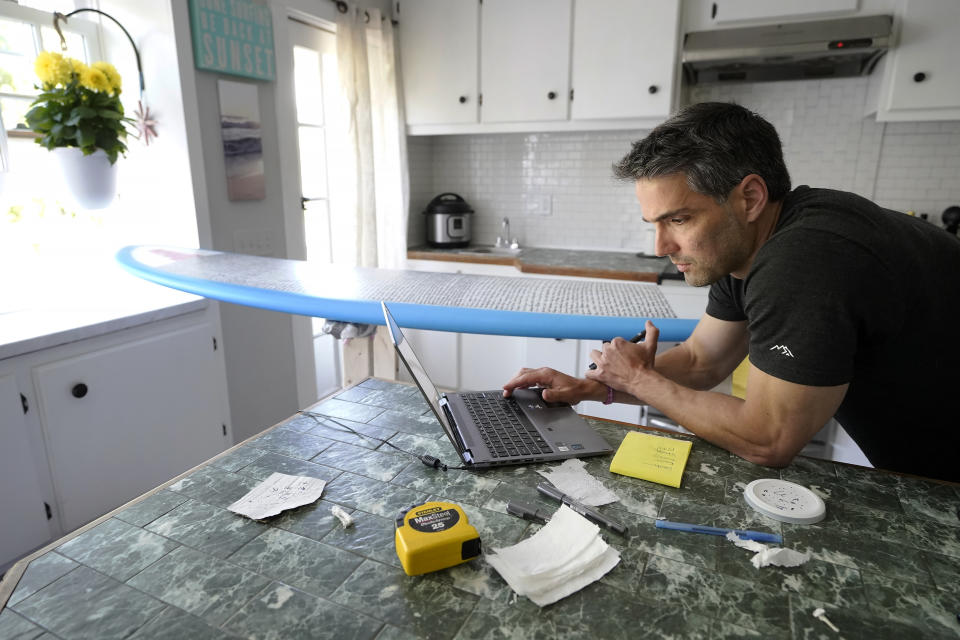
x,y
653,458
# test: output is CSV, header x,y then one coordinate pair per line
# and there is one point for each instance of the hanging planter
x,y
79,116
91,179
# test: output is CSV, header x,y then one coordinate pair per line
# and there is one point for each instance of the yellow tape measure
x,y
433,536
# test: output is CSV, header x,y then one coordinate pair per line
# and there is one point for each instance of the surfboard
x,y
464,303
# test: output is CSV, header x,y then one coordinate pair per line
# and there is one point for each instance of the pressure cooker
x,y
448,219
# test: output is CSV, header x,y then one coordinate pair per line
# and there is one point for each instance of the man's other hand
x,y
557,387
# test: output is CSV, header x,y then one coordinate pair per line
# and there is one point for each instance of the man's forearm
x,y
716,417
679,365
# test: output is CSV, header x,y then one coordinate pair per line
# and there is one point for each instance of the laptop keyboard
x,y
501,427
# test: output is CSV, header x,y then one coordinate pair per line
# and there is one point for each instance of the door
x,y
624,58
21,500
119,421
318,111
439,43
525,60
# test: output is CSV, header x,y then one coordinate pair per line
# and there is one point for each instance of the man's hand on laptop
x,y
557,387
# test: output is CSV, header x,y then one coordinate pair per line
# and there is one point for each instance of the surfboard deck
x,y
498,305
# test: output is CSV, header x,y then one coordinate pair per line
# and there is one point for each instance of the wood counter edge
x,y
539,269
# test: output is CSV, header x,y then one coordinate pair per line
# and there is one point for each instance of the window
x,y
35,215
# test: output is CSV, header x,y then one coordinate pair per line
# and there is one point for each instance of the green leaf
x,y
85,137
109,114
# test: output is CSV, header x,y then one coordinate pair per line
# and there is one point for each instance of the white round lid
x,y
785,501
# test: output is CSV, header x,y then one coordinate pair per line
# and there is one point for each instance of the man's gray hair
x,y
715,145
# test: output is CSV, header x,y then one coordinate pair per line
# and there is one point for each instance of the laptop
x,y
488,430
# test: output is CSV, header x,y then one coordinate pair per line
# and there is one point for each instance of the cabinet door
x,y
924,73
724,11
487,362
439,44
120,421
525,60
624,58
21,500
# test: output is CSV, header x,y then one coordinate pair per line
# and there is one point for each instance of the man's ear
x,y
755,197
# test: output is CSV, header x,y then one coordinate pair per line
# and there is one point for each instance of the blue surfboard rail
x,y
407,315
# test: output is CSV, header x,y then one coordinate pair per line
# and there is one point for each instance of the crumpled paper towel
x,y
564,556
572,478
766,556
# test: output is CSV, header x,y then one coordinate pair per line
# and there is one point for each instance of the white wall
x,y
828,142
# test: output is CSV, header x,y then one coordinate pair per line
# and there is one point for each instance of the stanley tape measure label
x,y
435,519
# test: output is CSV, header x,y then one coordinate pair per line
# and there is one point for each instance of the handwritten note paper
x,y
652,458
278,493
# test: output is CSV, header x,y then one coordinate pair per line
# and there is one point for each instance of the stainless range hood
x,y
787,51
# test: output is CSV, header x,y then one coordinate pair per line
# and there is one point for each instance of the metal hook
x,y
57,17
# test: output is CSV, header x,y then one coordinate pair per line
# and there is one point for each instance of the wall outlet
x,y
253,242
540,204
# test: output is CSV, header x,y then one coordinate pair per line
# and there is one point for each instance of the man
x,y
845,308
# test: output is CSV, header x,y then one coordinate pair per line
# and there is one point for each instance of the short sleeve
x,y
807,300
725,301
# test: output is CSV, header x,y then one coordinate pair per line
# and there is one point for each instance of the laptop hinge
x,y
467,457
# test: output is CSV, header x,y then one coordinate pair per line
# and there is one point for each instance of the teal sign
x,y
234,37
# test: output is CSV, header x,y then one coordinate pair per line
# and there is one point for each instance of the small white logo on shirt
x,y
782,348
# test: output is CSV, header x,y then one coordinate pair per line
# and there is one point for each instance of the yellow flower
x,y
113,76
52,68
94,79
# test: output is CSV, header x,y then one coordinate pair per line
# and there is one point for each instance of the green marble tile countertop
x,y
177,564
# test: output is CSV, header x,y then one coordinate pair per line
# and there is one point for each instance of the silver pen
x,y
587,512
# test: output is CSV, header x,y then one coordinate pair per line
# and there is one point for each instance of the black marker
x,y
637,338
587,512
527,512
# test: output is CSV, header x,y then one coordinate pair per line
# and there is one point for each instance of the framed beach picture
x,y
242,148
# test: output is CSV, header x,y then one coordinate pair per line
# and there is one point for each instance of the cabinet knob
x,y
79,390
653,89
552,95
463,99
920,76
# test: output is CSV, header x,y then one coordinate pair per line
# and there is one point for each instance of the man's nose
x,y
664,245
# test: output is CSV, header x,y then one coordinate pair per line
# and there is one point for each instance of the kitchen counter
x,y
68,302
615,265
176,564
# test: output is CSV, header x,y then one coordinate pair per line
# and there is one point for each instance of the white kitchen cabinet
x,y
525,60
921,79
121,420
727,11
22,499
624,59
439,53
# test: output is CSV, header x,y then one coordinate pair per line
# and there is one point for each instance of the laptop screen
x,y
416,370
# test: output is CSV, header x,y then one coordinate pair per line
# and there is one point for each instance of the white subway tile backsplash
x,y
827,143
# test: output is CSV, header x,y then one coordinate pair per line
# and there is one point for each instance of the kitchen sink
x,y
490,250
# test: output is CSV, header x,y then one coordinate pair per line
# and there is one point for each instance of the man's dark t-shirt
x,y
845,291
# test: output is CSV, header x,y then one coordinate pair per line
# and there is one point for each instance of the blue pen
x,y
759,536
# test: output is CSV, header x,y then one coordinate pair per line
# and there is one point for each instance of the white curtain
x,y
374,189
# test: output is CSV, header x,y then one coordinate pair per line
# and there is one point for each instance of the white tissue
x,y
571,478
564,556
765,556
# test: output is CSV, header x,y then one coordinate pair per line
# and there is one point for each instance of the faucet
x,y
503,240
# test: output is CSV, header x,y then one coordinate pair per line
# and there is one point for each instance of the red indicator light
x,y
839,45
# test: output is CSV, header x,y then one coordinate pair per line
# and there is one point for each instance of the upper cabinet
x,y
726,11
921,79
624,59
525,60
537,65
439,58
